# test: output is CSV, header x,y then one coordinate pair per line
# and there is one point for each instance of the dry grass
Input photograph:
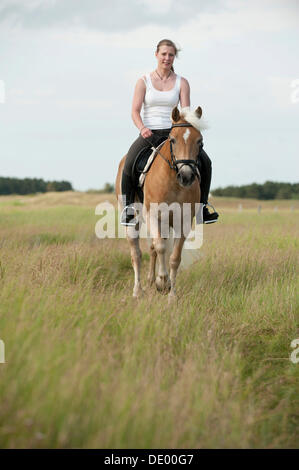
x,y
86,366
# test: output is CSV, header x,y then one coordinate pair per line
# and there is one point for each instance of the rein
x,y
157,151
173,164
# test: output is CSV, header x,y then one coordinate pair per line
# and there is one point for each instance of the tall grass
x,y
87,366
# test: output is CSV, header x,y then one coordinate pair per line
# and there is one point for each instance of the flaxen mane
x,y
193,119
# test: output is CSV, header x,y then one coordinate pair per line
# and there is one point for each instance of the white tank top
x,y
158,105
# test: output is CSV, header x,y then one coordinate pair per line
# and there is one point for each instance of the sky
x,y
68,69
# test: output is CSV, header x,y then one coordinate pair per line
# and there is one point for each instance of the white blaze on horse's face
x,y
186,144
186,135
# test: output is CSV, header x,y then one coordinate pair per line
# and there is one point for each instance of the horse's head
x,y
185,143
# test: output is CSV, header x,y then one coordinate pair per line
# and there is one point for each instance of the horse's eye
x,y
172,139
200,142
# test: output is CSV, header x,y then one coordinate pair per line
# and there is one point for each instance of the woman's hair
x,y
168,42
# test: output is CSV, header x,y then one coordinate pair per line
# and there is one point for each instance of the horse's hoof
x,y
137,293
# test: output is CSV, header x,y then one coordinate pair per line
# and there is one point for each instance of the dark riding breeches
x,y
205,169
128,185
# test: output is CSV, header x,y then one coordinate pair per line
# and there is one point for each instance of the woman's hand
x,y
145,132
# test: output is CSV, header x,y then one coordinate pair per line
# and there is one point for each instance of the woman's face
x,y
165,56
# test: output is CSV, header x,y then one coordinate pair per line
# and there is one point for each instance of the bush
x,y
266,191
31,185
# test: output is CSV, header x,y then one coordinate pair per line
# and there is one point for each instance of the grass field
x,y
89,367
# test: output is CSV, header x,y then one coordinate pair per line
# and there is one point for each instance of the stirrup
x,y
208,204
124,218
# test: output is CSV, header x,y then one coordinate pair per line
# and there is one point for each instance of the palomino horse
x,y
173,180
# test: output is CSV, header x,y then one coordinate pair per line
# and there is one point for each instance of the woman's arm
x,y
138,98
184,93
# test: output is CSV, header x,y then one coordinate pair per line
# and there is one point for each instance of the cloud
x,y
86,104
117,16
284,90
189,26
114,15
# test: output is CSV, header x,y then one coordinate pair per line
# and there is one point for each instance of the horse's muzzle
x,y
185,177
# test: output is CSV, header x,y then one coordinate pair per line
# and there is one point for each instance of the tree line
x,y
268,190
107,188
31,185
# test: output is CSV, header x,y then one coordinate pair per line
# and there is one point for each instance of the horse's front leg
x,y
162,278
152,267
174,262
136,262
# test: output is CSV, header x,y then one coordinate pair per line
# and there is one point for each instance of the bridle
x,y
173,163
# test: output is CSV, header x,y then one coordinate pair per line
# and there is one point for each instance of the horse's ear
x,y
198,112
175,114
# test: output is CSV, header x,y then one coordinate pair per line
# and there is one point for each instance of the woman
x,y
159,92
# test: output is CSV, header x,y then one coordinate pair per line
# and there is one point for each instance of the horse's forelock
x,y
193,119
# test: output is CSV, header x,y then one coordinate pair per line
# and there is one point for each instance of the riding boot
x,y
205,169
128,197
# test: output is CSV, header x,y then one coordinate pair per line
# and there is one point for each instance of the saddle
x,y
143,162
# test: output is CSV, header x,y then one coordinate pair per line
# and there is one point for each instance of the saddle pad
x,y
141,161
148,164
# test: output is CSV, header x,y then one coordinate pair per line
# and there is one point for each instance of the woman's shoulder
x,y
142,80
141,83
184,83
184,80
